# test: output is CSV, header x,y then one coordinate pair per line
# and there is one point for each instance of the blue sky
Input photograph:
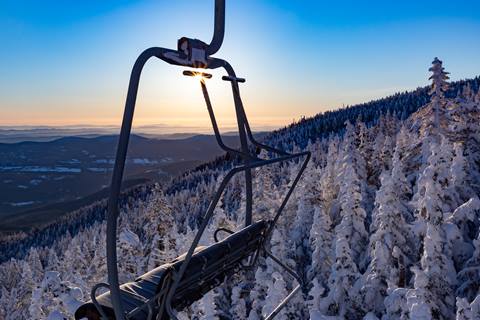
x,y
68,62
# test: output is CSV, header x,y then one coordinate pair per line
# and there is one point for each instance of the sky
x,y
68,62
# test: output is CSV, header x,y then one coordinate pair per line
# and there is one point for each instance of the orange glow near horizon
x,y
202,125
70,65
165,97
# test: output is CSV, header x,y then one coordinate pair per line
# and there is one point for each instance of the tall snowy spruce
x,y
434,282
439,79
391,241
350,235
383,225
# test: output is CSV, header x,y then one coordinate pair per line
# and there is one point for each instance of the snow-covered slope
x,y
384,225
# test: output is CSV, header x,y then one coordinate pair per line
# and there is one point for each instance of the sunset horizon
x,y
69,65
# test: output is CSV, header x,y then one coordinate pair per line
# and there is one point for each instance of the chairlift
x,y
167,289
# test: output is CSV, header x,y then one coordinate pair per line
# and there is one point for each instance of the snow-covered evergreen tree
x,y
321,237
433,294
352,213
391,242
439,79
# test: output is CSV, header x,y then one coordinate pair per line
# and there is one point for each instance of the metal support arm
x,y
118,170
219,28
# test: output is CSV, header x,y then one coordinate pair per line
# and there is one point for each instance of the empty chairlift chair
x,y
175,285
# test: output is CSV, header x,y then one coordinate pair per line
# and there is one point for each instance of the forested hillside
x,y
383,225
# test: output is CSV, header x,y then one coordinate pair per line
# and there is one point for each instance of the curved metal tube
x,y
215,234
213,120
216,63
93,297
116,183
258,144
121,154
219,28
240,113
245,132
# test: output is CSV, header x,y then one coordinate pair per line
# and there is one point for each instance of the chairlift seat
x,y
207,268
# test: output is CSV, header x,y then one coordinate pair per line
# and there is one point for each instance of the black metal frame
x,y
187,59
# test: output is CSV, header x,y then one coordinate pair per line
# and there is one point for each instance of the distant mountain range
x,y
14,134
36,175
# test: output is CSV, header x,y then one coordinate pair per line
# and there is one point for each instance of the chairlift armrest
x,y
219,230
